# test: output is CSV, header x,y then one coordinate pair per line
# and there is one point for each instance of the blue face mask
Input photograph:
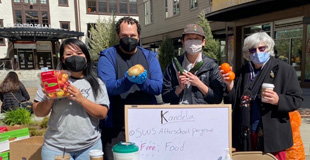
x,y
260,58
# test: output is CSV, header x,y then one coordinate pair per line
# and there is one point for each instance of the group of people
x,y
257,125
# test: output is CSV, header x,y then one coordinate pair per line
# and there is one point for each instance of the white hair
x,y
254,40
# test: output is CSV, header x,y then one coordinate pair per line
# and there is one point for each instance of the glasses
x,y
261,49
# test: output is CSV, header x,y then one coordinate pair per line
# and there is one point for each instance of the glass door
x,y
25,59
288,48
44,59
307,58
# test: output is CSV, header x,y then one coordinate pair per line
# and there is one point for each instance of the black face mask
x,y
128,44
75,63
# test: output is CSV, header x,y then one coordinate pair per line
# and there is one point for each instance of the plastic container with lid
x,y
125,151
55,82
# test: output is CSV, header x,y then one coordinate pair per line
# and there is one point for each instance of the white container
x,y
96,154
126,156
266,86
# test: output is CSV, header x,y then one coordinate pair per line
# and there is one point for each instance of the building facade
x,y
287,22
31,30
231,21
161,18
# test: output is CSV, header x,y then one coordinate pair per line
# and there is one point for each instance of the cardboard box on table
x,y
29,148
13,134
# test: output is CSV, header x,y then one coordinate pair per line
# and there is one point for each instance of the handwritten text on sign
x,y
179,133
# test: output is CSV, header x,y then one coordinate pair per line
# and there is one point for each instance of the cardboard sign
x,y
177,132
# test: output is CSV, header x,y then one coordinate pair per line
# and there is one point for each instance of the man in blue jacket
x,y
123,89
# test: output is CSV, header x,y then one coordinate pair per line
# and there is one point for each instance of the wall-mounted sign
x,y
24,46
44,46
32,25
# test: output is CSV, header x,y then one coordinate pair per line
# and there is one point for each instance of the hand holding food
x,y
137,74
193,70
135,70
228,74
55,83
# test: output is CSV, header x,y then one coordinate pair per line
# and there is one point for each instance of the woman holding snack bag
x,y
260,115
74,119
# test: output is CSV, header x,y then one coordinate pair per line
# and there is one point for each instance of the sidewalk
x,y
305,131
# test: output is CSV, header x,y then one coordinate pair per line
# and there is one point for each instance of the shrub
x,y
166,53
19,116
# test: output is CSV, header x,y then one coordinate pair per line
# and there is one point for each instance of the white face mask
x,y
193,46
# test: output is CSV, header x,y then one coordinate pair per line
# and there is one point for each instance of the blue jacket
x,y
107,72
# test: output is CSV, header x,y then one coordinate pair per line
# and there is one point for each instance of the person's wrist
x,y
178,90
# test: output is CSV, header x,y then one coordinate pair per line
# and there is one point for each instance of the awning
x,y
253,8
37,34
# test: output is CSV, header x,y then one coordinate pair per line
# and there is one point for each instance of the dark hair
x,y
88,72
10,83
128,20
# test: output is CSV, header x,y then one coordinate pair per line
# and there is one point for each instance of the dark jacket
x,y
8,100
277,131
208,74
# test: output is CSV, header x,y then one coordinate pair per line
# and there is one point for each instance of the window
x,y
123,6
176,7
32,17
30,1
103,6
112,6
16,1
172,8
2,42
63,3
43,1
91,6
133,6
148,15
65,25
257,28
18,17
45,18
193,4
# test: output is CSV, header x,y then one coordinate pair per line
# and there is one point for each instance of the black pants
x,y
110,137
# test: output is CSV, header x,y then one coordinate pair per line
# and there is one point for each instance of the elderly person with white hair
x,y
262,125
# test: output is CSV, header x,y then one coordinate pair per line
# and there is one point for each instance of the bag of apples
x,y
55,83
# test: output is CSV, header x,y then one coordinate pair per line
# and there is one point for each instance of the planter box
x,y
29,148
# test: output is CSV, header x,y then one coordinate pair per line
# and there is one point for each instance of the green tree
x,y
113,36
212,46
102,36
166,53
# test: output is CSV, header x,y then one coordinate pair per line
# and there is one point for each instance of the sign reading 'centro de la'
x,y
32,25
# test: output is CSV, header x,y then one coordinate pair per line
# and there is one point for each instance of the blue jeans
x,y
47,154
